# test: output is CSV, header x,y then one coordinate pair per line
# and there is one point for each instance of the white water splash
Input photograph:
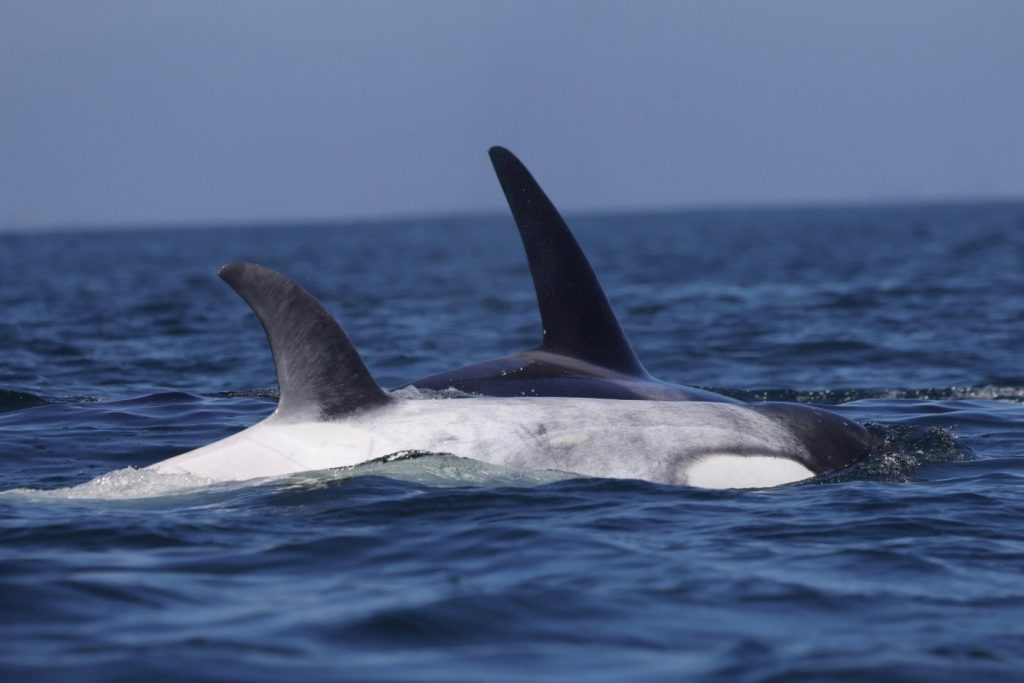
x,y
417,394
429,469
436,469
124,484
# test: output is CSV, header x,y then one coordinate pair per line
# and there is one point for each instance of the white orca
x,y
331,413
583,350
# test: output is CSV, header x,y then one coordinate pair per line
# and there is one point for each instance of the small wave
x,y
19,400
417,394
433,469
266,394
900,452
837,396
124,484
985,392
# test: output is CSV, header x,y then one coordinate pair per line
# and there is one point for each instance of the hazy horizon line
x,y
489,214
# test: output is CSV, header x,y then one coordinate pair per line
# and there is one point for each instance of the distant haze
x,y
135,112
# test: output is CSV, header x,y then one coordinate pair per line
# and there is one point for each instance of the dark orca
x,y
583,351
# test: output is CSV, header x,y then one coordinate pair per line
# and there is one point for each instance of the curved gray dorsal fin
x,y
577,318
319,372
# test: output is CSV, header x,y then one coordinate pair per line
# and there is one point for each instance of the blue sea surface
x,y
122,348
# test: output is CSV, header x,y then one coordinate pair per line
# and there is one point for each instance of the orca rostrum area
x,y
583,350
331,413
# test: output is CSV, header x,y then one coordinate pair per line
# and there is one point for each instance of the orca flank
x,y
333,414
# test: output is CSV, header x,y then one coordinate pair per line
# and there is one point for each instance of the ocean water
x,y
121,348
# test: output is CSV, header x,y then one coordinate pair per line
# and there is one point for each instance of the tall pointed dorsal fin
x,y
319,372
577,318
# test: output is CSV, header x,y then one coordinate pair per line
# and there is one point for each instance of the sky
x,y
133,112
